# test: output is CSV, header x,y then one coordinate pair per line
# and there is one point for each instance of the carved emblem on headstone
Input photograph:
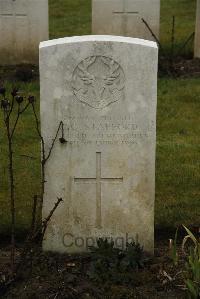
x,y
98,81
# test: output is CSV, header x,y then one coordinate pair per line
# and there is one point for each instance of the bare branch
x,y
54,140
34,211
12,192
185,43
12,106
154,36
46,221
19,112
24,109
33,235
16,121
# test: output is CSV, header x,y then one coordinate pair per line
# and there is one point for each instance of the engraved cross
x,y
14,15
124,13
98,180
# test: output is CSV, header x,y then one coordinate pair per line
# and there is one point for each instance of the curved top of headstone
x,y
101,38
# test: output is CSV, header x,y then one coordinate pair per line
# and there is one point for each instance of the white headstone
x,y
124,17
197,32
103,88
23,25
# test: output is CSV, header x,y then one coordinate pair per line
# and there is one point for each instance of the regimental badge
x,y
98,81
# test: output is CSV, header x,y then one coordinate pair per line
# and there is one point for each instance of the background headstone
x,y
23,25
197,32
124,17
104,89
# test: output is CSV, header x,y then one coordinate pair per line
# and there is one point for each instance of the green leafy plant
x,y
173,249
114,264
192,267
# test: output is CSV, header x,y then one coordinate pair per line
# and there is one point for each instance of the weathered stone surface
x,y
103,88
124,17
197,32
23,25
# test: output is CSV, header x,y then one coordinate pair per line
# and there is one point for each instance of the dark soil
x,y
23,73
179,67
49,275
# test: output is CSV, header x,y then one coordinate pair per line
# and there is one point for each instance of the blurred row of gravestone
x,y
24,23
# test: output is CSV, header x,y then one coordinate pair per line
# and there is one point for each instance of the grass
x,y
70,17
178,138
178,149
26,166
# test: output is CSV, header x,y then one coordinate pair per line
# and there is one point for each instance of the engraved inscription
x,y
107,130
98,81
98,180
